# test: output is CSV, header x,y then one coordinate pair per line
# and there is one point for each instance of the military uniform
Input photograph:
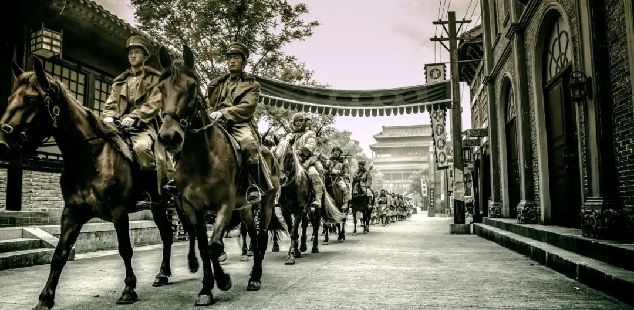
x,y
304,142
134,95
362,181
236,98
338,171
382,201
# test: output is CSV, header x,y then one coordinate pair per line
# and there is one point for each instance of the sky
x,y
361,46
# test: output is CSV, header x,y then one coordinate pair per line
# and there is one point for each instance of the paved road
x,y
414,264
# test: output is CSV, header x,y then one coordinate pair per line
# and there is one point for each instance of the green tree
x,y
208,26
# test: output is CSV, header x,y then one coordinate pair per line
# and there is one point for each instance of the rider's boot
x,y
319,192
260,182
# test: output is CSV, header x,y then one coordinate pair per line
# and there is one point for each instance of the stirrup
x,y
253,194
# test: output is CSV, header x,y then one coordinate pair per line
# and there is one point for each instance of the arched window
x,y
558,50
510,111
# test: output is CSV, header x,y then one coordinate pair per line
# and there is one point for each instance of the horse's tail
x,y
276,226
331,214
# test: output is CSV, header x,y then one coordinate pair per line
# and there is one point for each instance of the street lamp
x,y
579,87
46,43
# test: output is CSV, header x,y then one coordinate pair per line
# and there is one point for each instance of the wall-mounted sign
x,y
435,72
477,132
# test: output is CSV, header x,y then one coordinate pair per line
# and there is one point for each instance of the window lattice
x,y
74,80
102,90
559,53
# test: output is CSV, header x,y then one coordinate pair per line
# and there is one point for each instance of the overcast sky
x,y
363,44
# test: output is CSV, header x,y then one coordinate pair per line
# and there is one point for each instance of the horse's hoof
x,y
254,285
314,250
41,306
276,248
354,233
222,257
303,248
298,254
193,265
290,261
244,258
160,280
325,242
128,296
204,300
365,232
224,283
339,240
249,253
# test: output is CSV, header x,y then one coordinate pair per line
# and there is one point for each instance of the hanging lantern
x,y
46,43
579,87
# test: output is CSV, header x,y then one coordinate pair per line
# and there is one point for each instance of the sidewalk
x,y
414,264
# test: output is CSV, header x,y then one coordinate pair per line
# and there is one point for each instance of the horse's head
x,y
179,86
290,166
32,110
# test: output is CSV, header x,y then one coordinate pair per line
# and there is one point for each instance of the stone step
x,y
19,244
8,233
615,281
25,258
616,253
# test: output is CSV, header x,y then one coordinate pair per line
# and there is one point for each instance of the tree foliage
x,y
208,26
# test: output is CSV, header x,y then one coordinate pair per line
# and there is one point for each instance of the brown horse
x,y
96,181
207,173
362,202
295,198
340,197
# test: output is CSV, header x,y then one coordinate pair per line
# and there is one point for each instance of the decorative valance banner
x,y
439,134
383,102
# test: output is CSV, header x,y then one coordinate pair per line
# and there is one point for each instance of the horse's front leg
x,y
192,260
243,234
260,244
326,229
316,219
73,218
354,219
197,220
288,219
216,246
302,246
165,230
122,227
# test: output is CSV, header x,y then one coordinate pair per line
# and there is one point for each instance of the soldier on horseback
x,y
362,180
304,141
233,98
135,102
337,170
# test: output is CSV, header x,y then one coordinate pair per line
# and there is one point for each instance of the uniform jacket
x,y
363,178
245,99
338,166
145,105
303,141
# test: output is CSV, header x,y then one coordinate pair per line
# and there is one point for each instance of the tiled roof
x,y
421,144
405,131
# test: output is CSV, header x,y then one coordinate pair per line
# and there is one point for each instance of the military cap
x,y
138,41
361,162
239,49
299,116
336,148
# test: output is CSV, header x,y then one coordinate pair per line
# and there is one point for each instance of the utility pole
x,y
456,118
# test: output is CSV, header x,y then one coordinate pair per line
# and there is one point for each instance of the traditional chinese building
x,y
400,152
82,45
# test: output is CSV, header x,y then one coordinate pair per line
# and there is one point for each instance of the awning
x,y
413,99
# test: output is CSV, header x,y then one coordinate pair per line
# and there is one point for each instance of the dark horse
x,y
341,199
207,173
295,198
362,202
97,179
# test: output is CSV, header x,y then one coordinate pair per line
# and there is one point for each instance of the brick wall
x,y
3,188
40,191
623,113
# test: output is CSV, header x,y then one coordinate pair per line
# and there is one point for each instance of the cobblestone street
x,y
413,264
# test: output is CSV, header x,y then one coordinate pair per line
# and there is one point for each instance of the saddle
x,y
237,151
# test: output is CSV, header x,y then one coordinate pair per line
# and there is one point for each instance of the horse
x,y
207,173
340,197
363,202
97,180
295,199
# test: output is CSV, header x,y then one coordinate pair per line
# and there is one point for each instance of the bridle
x,y
199,114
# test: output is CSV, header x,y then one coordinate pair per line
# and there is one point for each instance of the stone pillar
x,y
527,210
495,205
601,212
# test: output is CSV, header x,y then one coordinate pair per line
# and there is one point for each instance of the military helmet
x,y
361,162
299,116
139,41
239,49
336,148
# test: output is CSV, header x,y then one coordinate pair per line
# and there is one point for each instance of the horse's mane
x,y
280,153
107,132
